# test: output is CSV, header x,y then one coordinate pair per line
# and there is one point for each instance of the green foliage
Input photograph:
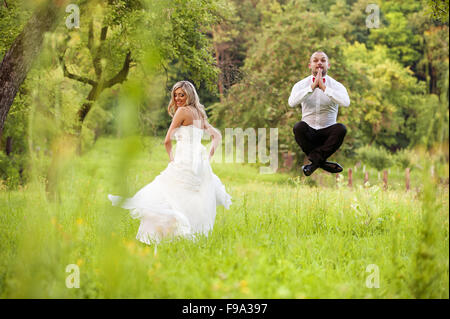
x,y
397,78
403,44
16,127
376,157
385,98
396,75
275,61
94,126
186,44
388,101
434,66
383,69
298,241
402,159
11,169
12,20
425,282
430,125
157,33
438,9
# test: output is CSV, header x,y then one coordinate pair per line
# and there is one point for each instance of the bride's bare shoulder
x,y
182,110
183,114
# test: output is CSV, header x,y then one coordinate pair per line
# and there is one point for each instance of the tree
x,y
276,59
439,9
19,58
434,64
388,101
171,27
403,44
386,96
103,55
13,17
232,37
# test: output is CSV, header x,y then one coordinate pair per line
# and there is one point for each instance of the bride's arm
x,y
215,136
178,118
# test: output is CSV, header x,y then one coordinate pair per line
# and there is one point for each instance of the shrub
x,y
402,159
378,158
11,168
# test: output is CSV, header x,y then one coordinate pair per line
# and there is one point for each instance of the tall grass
x,y
280,239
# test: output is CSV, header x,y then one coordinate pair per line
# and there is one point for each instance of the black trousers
x,y
318,145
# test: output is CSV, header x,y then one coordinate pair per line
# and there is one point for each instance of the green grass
x,y
281,237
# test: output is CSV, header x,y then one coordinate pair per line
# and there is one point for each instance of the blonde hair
x,y
192,99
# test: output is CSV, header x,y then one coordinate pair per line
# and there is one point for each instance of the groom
x,y
318,134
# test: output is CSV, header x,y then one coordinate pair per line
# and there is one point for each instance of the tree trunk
x,y
218,62
92,97
98,87
26,47
8,148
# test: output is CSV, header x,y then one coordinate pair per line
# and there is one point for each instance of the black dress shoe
x,y
309,169
331,167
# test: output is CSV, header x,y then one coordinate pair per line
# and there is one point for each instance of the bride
x,y
182,199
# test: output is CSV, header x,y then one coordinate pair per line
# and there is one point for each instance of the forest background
x,y
244,57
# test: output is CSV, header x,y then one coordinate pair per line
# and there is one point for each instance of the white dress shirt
x,y
319,108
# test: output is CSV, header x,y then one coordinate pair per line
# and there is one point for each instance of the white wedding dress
x,y
182,200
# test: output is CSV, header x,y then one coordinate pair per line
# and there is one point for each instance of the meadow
x,y
284,236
